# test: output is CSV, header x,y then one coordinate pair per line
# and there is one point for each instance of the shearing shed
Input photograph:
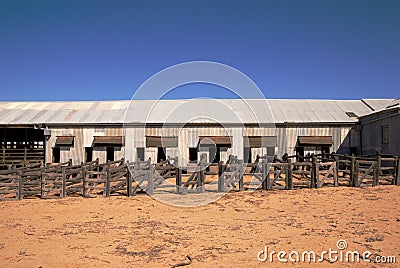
x,y
142,129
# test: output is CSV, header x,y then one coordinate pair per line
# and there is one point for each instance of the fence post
x,y
314,173
377,168
107,193
42,182
178,180
289,179
221,187
128,180
150,182
241,171
337,165
353,172
200,178
64,183
20,185
265,174
397,178
84,181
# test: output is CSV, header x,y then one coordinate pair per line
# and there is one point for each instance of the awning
x,y
157,141
218,140
65,141
259,141
115,141
315,140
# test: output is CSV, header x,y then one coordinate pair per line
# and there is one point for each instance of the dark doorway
x,y
247,155
353,151
271,151
56,155
140,154
193,154
160,154
110,153
88,154
325,150
215,154
300,153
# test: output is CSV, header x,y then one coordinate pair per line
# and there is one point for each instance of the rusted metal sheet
x,y
65,141
259,141
219,140
158,141
107,140
315,140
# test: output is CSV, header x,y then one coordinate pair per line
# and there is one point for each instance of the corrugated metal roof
x,y
378,104
183,111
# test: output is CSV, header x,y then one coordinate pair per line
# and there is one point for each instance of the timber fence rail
x,y
93,179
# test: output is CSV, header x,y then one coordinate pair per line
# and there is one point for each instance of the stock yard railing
x,y
92,179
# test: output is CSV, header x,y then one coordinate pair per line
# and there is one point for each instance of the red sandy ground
x,y
142,232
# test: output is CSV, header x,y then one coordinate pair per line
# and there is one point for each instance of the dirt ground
x,y
142,232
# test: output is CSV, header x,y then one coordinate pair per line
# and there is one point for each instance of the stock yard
x,y
142,232
68,201
131,229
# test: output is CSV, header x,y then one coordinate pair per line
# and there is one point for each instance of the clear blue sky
x,y
99,50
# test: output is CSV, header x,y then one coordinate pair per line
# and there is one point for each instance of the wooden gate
x,y
231,175
326,173
366,172
277,176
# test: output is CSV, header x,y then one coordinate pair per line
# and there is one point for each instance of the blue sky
x,y
104,50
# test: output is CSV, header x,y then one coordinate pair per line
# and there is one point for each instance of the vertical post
x,y
241,171
20,185
150,181
107,193
336,175
84,181
178,180
200,177
128,180
42,182
220,177
289,178
314,173
397,178
377,169
353,172
265,174
64,183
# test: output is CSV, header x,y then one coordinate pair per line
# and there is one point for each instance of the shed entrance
x,y
21,145
217,148
313,145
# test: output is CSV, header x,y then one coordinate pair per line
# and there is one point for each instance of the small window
x,y
385,134
140,154
351,114
192,154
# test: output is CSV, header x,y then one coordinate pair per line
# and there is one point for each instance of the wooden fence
x,y
120,177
